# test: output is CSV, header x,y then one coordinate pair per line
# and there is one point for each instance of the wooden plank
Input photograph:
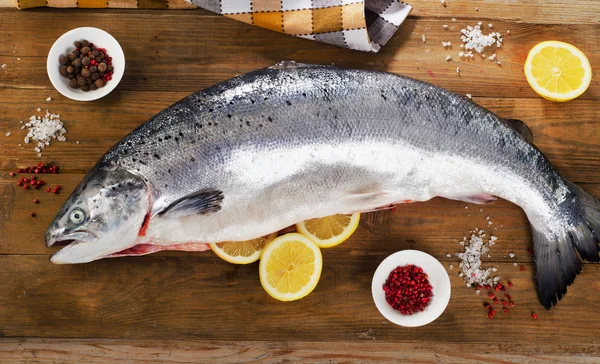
x,y
191,50
203,297
526,11
571,143
224,352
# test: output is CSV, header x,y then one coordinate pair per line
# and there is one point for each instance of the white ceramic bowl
x,y
64,45
437,276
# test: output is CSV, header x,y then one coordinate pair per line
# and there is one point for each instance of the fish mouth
x,y
69,253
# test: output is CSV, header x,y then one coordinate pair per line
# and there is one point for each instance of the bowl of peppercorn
x,y
411,288
85,64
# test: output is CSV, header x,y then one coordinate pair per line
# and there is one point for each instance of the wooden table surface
x,y
188,307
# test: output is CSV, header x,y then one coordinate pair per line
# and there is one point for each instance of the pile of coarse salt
x,y
42,129
470,260
473,38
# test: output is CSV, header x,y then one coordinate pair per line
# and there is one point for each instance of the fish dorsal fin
x,y
200,203
520,127
376,222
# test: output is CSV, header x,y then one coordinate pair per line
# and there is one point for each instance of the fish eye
x,y
77,216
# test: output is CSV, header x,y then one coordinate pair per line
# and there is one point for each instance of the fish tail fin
x,y
555,254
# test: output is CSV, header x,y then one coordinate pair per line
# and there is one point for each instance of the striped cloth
x,y
364,25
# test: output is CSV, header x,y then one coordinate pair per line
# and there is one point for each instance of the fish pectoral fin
x,y
200,203
376,222
520,127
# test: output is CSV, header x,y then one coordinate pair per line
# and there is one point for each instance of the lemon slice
x,y
290,267
558,71
242,252
329,231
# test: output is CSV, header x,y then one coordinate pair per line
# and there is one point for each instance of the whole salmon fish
x,y
292,142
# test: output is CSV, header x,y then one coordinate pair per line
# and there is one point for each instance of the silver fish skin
x,y
291,142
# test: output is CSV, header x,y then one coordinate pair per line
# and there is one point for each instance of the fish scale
x,y
291,142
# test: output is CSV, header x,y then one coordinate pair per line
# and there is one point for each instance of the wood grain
x,y
224,352
181,307
185,51
202,297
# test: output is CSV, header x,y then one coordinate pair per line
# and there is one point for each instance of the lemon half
x,y
242,252
558,71
290,267
329,231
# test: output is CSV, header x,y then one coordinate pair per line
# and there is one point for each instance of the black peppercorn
x,y
63,71
88,81
85,43
85,60
81,81
71,57
73,83
93,87
77,44
95,76
85,88
63,60
102,67
86,72
70,69
99,83
77,62
93,68
85,50
96,53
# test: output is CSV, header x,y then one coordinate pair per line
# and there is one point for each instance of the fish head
x,y
101,217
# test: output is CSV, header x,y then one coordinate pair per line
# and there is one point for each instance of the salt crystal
x,y
480,23
49,99
494,269
423,38
448,57
492,57
7,133
469,96
481,210
3,66
512,255
77,142
499,63
466,207
453,19
461,55
515,264
490,25
508,32
458,70
445,26
460,274
39,154
443,2
490,223
18,59
476,9
39,109
448,255
477,291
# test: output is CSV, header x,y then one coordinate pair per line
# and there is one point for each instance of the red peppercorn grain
x,y
35,200
534,316
32,214
407,289
505,310
510,284
522,268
